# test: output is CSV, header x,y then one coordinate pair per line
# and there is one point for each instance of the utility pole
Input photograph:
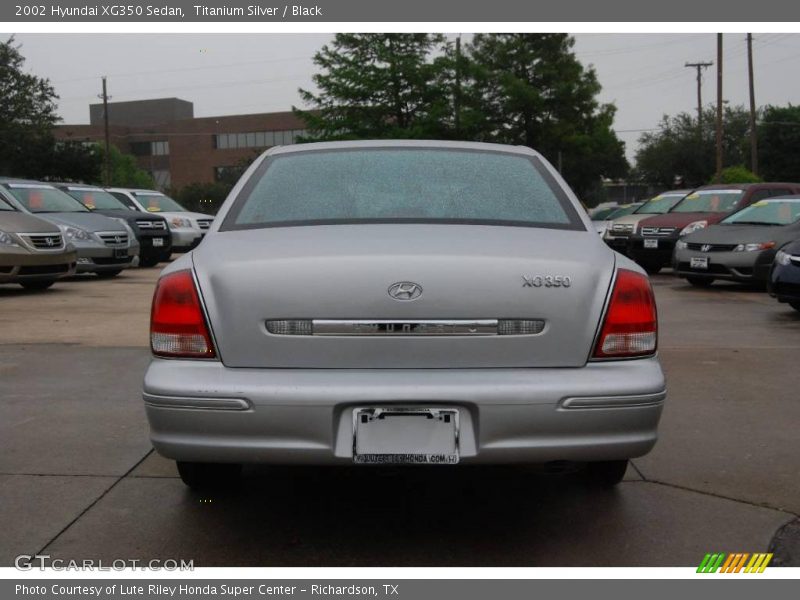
x,y
753,136
699,66
457,95
107,135
719,105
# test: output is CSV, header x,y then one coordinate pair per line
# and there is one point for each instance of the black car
x,y
151,230
784,276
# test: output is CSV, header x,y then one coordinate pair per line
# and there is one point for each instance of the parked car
x,y
402,302
784,277
620,229
155,243
103,244
601,225
187,228
742,246
33,252
653,243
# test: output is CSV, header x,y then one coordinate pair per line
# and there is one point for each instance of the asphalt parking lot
x,y
79,480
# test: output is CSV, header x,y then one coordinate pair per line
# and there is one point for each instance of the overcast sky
x,y
643,74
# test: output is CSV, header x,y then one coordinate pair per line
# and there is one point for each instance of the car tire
x,y
652,268
150,261
208,476
37,284
108,274
700,282
607,473
795,305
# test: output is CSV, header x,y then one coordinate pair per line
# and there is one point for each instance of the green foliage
x,y
737,174
779,142
679,150
202,197
125,171
375,86
27,117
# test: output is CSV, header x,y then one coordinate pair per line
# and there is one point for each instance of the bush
x,y
202,197
738,174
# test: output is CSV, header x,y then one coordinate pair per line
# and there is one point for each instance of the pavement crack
x,y
95,501
638,470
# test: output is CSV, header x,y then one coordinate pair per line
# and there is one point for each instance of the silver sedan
x,y
402,302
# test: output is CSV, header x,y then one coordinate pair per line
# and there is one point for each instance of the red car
x,y
652,244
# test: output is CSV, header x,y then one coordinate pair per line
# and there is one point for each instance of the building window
x,y
160,148
150,148
140,148
257,139
162,178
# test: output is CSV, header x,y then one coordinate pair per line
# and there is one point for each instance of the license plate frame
x,y
406,435
650,243
120,253
158,242
699,263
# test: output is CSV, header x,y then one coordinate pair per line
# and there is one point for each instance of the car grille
x,y
44,269
117,239
204,224
658,231
151,224
622,228
45,241
711,247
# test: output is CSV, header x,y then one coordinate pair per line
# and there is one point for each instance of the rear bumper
x,y
203,411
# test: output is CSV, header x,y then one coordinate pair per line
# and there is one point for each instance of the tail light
x,y
178,327
630,327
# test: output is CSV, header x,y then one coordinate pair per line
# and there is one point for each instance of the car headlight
x,y
681,245
176,222
6,239
754,247
783,258
692,227
76,233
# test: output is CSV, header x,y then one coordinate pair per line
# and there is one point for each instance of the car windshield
x,y
622,211
660,204
44,199
601,214
155,202
402,185
709,201
5,205
95,199
767,212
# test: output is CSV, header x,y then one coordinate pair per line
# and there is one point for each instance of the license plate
x,y
698,263
121,253
398,435
651,243
158,242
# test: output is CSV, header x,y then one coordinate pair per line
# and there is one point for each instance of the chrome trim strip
x,y
195,403
404,327
591,402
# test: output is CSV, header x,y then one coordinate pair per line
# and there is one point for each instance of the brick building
x,y
178,149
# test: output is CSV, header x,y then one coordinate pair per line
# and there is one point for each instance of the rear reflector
x,y
177,325
631,327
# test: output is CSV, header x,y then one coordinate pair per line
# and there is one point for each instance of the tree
x,y
737,174
680,151
202,197
375,86
778,143
530,89
27,117
125,171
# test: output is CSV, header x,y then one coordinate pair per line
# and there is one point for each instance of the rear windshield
x,y
44,199
401,185
709,201
155,202
660,204
767,212
95,199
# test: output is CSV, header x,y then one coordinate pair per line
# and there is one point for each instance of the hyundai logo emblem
x,y
405,290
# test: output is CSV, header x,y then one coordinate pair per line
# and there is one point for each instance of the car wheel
x,y
652,268
108,274
151,261
37,285
701,282
607,473
206,476
795,305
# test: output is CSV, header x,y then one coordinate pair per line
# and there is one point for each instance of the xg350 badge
x,y
548,281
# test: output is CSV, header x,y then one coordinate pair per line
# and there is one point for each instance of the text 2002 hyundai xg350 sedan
x,y
402,302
